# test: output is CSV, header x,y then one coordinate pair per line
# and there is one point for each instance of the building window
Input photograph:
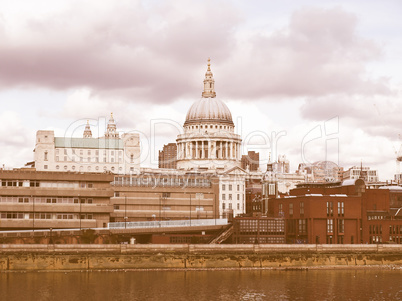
x,y
238,206
238,197
330,208
223,187
301,208
330,225
45,167
223,197
238,187
291,209
230,206
341,208
280,209
46,156
230,187
341,225
223,206
230,196
302,226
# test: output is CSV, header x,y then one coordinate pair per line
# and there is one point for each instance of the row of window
x,y
90,159
230,207
210,126
162,181
45,200
330,225
262,240
230,198
269,227
230,187
45,184
330,208
301,208
88,151
42,215
89,168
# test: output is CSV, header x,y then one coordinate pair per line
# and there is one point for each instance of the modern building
x,y
251,161
362,172
168,156
259,230
282,165
165,195
321,171
111,153
32,199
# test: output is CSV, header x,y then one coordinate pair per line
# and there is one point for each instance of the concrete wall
x,y
104,257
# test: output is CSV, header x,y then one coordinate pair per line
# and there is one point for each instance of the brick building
x,y
341,213
250,161
168,156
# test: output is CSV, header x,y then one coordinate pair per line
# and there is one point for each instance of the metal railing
x,y
167,224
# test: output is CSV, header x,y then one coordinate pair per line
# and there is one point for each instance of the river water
x,y
231,285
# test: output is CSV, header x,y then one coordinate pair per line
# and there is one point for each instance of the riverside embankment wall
x,y
112,257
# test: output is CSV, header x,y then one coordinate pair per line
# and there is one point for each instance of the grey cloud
x,y
318,53
120,51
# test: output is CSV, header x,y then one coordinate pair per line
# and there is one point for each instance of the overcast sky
x,y
312,80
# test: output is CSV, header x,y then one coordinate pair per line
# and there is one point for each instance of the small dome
x,y
210,110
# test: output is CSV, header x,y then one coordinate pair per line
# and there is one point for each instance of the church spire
x,y
87,131
209,83
111,128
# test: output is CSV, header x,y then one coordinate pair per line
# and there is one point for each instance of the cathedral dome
x,y
209,109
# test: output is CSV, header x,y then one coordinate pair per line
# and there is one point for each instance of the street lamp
x,y
79,200
190,209
33,214
125,212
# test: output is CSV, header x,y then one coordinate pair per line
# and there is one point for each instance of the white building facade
x,y
210,145
109,153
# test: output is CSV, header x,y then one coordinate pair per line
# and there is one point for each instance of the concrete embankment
x,y
115,257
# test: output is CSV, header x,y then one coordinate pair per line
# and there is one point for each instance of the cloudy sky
x,y
310,79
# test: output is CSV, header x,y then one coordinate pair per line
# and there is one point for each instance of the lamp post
x,y
79,200
125,212
160,210
215,207
190,209
33,214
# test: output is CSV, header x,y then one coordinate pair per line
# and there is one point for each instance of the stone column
x,y
202,150
196,149
226,150
209,150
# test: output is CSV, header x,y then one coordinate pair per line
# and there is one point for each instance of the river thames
x,y
362,284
